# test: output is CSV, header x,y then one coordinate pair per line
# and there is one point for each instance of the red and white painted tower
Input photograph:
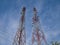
x,y
20,37
37,33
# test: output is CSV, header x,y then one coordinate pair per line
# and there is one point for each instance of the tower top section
x,y
35,11
24,8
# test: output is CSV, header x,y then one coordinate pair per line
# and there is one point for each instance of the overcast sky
x,y
10,13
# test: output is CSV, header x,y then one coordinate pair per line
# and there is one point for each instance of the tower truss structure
x,y
20,37
37,33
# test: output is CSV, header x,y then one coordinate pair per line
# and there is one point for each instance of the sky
x,y
10,13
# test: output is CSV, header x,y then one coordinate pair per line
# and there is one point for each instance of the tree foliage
x,y
55,43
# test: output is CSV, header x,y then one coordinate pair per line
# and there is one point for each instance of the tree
x,y
55,43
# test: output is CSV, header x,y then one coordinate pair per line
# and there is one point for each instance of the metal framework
x,y
37,33
20,37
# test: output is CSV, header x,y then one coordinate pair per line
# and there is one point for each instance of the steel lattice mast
x,y
37,33
20,37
